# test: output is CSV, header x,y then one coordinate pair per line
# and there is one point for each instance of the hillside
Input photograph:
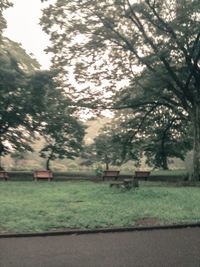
x,y
94,126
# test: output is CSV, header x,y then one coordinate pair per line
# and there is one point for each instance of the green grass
x,y
42,206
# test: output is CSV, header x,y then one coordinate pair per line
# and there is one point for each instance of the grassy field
x,y
42,206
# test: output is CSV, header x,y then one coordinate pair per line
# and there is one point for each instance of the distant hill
x,y
33,161
94,127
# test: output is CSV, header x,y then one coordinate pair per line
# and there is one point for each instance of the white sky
x,y
23,27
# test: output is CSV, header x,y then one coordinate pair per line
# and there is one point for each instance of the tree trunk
x,y
48,164
1,167
107,166
165,163
196,143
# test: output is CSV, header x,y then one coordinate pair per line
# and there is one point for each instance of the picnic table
x,y
125,183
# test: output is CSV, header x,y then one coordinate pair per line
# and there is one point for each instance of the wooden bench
x,y
110,174
116,184
44,174
126,183
142,174
3,175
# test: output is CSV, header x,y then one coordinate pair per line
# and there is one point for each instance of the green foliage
x,y
63,138
59,125
155,133
4,4
31,103
15,102
106,149
21,104
26,62
166,132
16,97
121,40
119,29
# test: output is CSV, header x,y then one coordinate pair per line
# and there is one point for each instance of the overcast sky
x,y
23,27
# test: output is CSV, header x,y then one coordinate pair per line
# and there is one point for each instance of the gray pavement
x,y
157,248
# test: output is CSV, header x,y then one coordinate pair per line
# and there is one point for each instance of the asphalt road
x,y
157,248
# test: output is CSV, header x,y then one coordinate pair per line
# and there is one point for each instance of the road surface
x,y
155,248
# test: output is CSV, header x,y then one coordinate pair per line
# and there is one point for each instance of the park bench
x,y
43,174
142,175
3,175
126,183
110,174
116,183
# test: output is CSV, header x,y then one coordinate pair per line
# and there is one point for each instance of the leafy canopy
x,y
152,44
94,37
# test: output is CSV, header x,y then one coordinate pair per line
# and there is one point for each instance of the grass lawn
x,y
42,206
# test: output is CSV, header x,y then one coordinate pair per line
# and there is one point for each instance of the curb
x,y
102,230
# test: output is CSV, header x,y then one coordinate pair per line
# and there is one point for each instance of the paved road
x,y
158,248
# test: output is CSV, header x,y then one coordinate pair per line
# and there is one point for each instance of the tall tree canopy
x,y
15,123
3,5
15,100
26,62
33,103
123,39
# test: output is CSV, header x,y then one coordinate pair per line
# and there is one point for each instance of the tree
x,y
63,133
63,142
31,102
3,5
107,148
153,132
26,62
55,118
15,118
15,97
167,137
154,38
160,123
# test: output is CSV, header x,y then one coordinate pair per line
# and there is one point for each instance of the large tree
x,y
63,138
61,128
15,100
3,5
123,39
157,139
31,102
25,61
